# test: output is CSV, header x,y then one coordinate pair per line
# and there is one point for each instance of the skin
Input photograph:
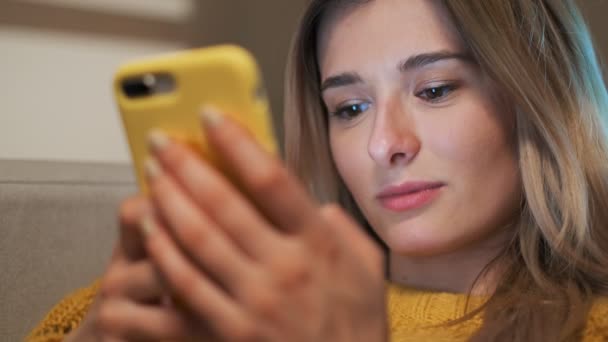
x,y
274,265
437,121
122,310
282,269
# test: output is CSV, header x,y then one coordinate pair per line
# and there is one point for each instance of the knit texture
x,y
65,316
422,316
414,316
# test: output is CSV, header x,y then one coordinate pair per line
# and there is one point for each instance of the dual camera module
x,y
148,85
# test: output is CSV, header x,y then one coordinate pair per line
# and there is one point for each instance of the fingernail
x,y
157,140
153,168
211,116
147,226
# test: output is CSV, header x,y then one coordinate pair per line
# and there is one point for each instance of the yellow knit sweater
x,y
414,316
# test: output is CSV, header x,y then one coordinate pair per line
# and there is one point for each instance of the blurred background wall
x,y
58,56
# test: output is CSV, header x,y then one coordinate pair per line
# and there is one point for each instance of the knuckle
x,y
111,283
272,177
331,210
146,271
244,330
295,276
187,283
178,158
141,275
292,271
106,319
195,235
130,210
215,197
264,303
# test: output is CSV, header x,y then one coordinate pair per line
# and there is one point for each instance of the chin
x,y
421,241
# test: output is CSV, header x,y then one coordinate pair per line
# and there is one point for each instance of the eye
x,y
350,111
436,94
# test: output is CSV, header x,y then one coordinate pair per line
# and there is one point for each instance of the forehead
x,y
353,37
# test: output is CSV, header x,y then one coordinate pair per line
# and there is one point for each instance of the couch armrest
x,y
58,223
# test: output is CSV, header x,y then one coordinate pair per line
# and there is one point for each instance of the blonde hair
x,y
539,54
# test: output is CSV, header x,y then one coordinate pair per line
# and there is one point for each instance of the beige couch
x,y
57,229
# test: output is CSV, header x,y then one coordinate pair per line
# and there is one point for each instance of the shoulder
x,y
597,321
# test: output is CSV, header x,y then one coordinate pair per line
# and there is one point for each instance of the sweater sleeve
x,y
64,316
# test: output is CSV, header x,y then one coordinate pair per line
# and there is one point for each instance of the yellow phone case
x,y
226,77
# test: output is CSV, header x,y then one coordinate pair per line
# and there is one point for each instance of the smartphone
x,y
167,92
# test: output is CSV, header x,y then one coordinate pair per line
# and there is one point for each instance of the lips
x,y
410,195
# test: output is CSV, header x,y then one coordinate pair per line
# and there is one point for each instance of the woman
x,y
465,135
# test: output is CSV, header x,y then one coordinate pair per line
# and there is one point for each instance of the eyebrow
x,y
413,62
341,80
422,60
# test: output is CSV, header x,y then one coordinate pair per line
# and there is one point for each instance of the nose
x,y
393,140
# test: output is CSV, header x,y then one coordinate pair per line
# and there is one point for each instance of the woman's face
x,y
416,129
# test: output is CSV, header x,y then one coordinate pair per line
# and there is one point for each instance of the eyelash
x,y
443,90
345,112
353,110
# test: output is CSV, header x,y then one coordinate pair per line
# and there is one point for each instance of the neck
x,y
459,271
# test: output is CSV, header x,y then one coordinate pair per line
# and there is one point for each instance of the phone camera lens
x,y
138,87
148,85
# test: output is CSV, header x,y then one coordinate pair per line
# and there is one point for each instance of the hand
x,y
129,305
269,265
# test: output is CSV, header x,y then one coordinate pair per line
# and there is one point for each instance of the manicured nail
x,y
211,116
147,226
153,168
157,140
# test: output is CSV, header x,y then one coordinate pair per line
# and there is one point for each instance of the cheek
x,y
476,150
471,138
348,149
472,150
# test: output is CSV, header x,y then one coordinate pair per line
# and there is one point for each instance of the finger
x,y
207,245
130,213
127,320
139,281
217,197
350,238
200,294
350,235
112,339
278,195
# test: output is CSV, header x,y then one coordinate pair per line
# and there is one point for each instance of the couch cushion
x,y
57,229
